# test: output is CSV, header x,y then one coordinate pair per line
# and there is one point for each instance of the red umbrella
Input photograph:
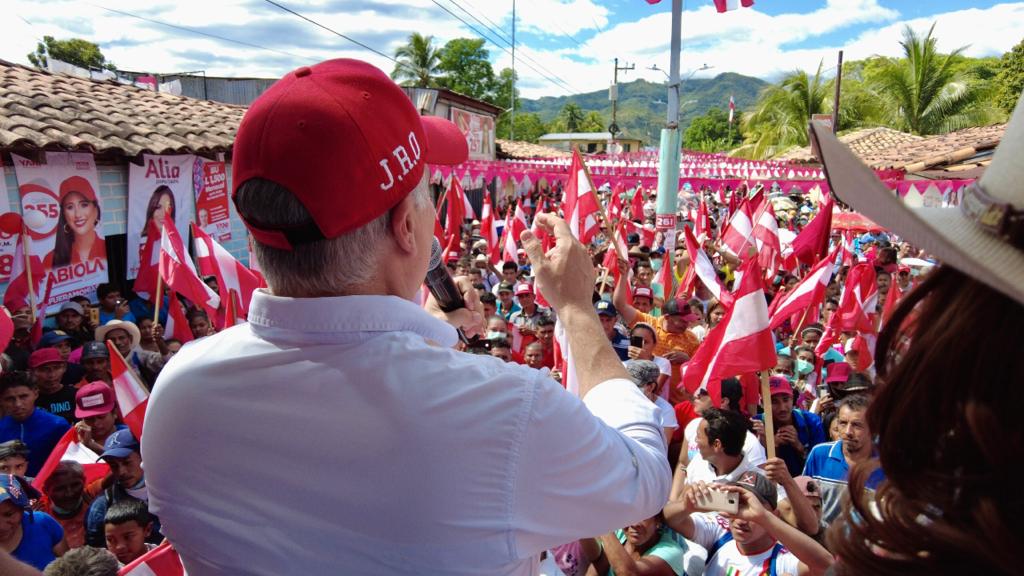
x,y
843,220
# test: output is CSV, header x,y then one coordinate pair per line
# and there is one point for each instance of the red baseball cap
x,y
643,292
779,385
523,288
44,356
838,372
345,140
94,399
79,185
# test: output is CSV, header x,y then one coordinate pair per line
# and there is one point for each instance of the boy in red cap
x,y
55,397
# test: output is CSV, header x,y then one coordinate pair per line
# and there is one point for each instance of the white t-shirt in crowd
x,y
728,560
752,449
667,413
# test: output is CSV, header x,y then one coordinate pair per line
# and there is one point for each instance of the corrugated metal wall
x,y
241,91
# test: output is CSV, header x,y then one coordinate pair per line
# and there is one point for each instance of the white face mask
x,y
139,492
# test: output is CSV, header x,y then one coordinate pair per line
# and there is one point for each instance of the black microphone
x,y
440,282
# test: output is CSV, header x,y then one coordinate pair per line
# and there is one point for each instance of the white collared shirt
x,y
327,436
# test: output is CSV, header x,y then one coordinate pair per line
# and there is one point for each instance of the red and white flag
x,y
809,293
741,226
617,250
636,204
666,277
726,5
456,212
17,293
766,240
489,229
857,306
132,396
214,260
519,222
811,244
68,448
615,205
740,343
160,561
149,264
579,202
508,242
177,324
180,274
732,108
702,268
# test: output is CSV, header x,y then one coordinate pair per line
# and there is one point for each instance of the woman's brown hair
x,y
949,428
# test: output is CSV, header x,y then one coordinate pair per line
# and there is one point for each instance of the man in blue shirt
x,y
36,427
609,317
829,463
796,431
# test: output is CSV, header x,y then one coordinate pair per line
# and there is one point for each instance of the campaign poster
x,y
68,239
211,186
7,241
479,132
160,188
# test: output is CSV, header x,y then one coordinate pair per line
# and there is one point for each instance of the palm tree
x,y
780,117
924,92
417,62
571,117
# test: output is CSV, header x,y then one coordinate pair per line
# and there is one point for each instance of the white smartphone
x,y
720,501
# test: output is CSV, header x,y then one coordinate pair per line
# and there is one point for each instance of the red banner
x,y
211,187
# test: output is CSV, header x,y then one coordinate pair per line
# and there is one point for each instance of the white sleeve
x,y
668,414
586,467
753,451
787,563
664,366
707,529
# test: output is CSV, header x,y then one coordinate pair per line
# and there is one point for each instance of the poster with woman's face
x,y
159,189
68,239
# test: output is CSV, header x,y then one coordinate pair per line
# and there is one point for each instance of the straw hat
x,y
983,237
129,327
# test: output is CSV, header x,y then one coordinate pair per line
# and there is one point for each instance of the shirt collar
x,y
836,453
344,314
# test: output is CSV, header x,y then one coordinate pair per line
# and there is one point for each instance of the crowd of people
x,y
746,497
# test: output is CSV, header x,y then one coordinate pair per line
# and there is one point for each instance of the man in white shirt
x,y
646,375
339,431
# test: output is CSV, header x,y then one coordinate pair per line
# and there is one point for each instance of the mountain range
x,y
641,107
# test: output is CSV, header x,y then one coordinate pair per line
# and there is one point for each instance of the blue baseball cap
x,y
605,308
17,490
120,444
52,338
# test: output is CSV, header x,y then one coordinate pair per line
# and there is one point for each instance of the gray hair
x,y
643,372
84,561
64,468
332,266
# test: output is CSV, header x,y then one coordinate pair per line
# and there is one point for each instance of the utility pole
x,y
512,119
668,166
613,95
835,103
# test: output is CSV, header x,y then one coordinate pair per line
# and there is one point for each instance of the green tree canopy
x,y
779,120
417,62
75,51
570,119
1010,79
467,69
529,127
594,122
926,93
712,133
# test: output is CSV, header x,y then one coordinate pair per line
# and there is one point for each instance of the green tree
x,y
925,92
467,69
417,62
502,96
780,117
75,51
570,119
712,133
1010,79
529,127
594,122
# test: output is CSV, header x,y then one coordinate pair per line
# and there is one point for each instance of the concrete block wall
x,y
114,199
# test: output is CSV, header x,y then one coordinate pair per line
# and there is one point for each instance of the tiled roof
x,y
887,148
507,149
41,110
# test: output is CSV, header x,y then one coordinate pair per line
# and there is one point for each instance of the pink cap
x,y
523,288
643,292
44,356
94,399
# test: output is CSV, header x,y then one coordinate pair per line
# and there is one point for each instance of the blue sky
x,y
563,46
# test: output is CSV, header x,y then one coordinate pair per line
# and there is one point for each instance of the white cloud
x,y
747,41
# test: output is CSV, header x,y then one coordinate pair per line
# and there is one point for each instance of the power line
x,y
559,26
332,31
497,27
199,32
555,81
560,82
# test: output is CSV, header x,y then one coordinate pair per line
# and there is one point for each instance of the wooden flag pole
x,y
604,280
27,253
769,427
159,298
